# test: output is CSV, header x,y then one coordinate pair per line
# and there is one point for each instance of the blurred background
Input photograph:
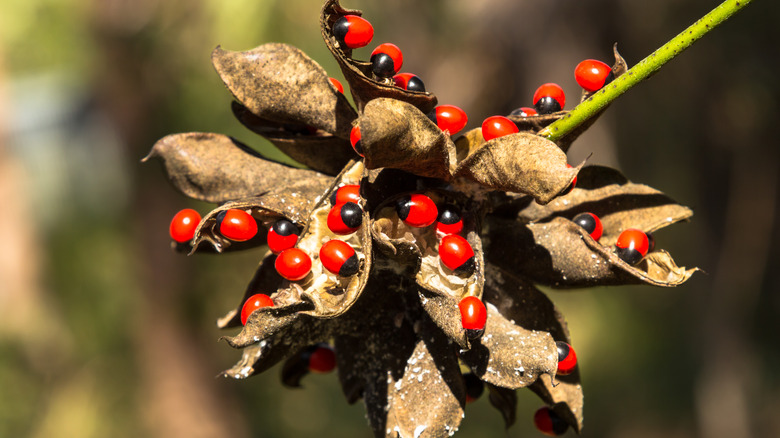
x,y
104,331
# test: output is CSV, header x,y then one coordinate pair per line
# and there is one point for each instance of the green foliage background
x,y
106,332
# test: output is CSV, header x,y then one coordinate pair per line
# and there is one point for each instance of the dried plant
x,y
396,317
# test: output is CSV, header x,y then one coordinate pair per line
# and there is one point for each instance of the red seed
x,y
355,140
282,235
450,118
346,193
472,313
497,126
549,98
353,31
386,60
417,210
253,303
549,423
592,74
237,225
339,258
456,253
322,359
293,264
567,358
336,83
183,225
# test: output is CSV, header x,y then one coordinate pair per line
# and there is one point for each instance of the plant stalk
x,y
644,69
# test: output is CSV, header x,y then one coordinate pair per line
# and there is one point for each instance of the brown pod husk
x,y
619,204
509,355
358,74
330,294
522,163
293,202
280,83
397,135
431,378
217,168
445,313
416,249
561,254
318,151
505,401
520,302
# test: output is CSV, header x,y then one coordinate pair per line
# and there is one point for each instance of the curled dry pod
x,y
397,135
359,74
522,163
281,84
331,294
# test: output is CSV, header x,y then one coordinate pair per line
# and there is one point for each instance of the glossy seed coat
x,y
386,60
282,235
417,210
590,223
183,225
339,258
632,245
592,75
549,423
346,193
293,264
567,358
498,126
473,314
449,221
236,225
353,31
456,254
409,82
549,98
449,118
253,303
345,218
354,140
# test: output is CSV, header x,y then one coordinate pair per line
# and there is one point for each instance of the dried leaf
x,y
521,163
280,83
397,135
358,74
318,151
509,355
559,253
217,168
505,401
619,204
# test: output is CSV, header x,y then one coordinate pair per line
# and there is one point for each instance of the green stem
x,y
641,71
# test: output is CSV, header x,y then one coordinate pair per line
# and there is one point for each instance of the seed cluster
x,y
405,251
